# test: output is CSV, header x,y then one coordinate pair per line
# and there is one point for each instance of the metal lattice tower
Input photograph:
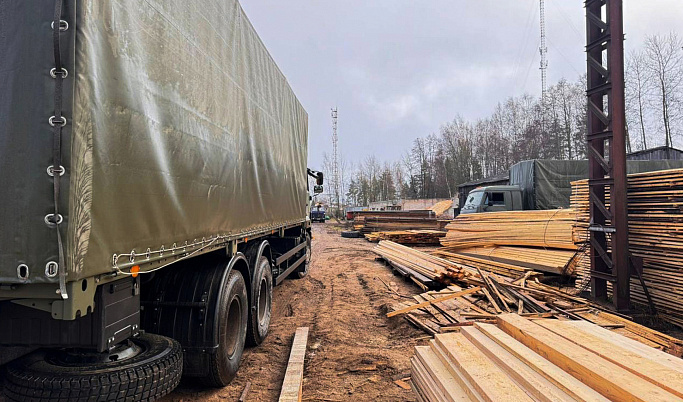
x,y
608,241
335,160
544,56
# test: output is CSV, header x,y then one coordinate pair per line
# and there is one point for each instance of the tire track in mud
x,y
353,349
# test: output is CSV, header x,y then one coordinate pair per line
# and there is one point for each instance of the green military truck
x,y
543,184
154,190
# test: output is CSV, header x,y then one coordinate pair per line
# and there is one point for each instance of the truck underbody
x,y
210,304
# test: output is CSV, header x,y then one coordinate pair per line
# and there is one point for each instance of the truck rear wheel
x,y
261,303
147,368
233,312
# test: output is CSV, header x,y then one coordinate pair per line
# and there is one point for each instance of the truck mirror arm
x,y
319,179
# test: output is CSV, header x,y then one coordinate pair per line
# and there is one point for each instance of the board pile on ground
x,y
423,267
511,243
481,296
655,208
418,237
549,360
383,221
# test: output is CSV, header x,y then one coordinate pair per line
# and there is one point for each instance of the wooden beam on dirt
x,y
291,390
436,300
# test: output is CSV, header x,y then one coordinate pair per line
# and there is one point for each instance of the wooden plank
x,y
542,366
631,344
442,378
662,375
600,374
490,382
435,300
493,302
291,390
535,384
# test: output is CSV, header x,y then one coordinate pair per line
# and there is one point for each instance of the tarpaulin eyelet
x,y
54,73
54,121
51,269
63,25
50,220
51,171
22,272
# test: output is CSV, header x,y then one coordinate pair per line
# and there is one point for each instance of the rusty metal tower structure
x,y
335,161
606,148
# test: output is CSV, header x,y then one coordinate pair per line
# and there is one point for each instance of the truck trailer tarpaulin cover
x,y
546,184
180,127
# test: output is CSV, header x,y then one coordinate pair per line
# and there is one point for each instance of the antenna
x,y
335,161
544,61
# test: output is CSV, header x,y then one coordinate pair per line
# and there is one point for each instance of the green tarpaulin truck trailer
x,y
154,189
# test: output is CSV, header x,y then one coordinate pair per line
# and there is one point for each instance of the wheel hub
x,y
79,357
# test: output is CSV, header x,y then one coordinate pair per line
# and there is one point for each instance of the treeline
x,y
524,128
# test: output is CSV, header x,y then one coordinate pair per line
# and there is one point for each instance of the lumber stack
x,y
421,237
513,261
511,243
523,360
422,266
655,202
550,229
440,208
383,223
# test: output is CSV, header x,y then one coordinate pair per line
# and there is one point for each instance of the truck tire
x,y
233,314
351,234
152,373
302,271
261,303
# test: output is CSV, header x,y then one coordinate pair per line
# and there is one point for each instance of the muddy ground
x,y
354,351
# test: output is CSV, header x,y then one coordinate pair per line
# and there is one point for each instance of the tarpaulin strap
x,y
57,121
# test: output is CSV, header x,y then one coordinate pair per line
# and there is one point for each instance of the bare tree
x,y
638,90
664,58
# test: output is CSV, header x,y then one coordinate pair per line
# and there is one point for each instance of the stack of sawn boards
x,y
423,267
417,237
544,360
511,243
655,221
382,221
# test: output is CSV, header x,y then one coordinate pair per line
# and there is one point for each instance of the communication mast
x,y
335,161
544,62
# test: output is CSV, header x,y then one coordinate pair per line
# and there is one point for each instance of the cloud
x,y
399,69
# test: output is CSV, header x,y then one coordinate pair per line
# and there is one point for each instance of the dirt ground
x,y
354,351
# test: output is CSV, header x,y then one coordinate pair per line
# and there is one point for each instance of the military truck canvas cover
x,y
546,184
180,128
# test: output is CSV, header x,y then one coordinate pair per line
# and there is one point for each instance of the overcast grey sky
x,y
399,69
